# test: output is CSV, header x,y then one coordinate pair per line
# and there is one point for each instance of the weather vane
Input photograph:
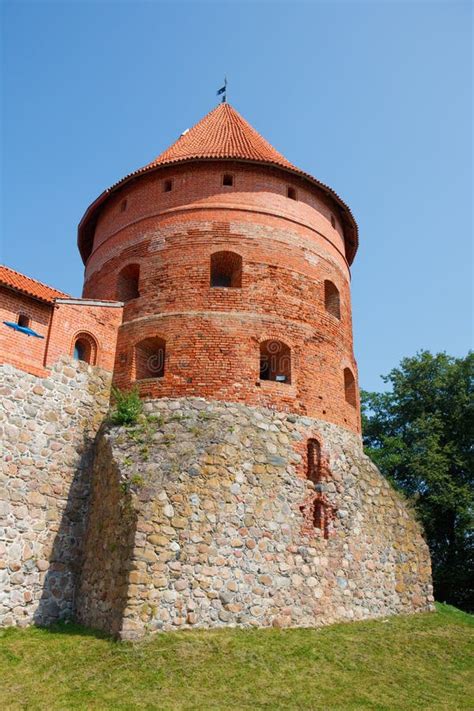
x,y
223,91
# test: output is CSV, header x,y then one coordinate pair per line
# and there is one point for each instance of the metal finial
x,y
223,91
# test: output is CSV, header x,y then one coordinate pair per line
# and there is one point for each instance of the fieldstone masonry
x,y
198,519
200,515
47,429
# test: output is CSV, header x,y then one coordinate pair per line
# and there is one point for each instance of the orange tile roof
x,y
223,134
32,287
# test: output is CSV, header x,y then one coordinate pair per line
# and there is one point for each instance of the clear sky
x,y
372,98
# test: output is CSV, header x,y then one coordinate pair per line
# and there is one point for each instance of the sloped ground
x,y
421,661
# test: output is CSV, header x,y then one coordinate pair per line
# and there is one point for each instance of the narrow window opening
x,y
123,205
291,193
150,358
226,270
320,516
23,320
314,472
128,283
275,361
167,186
350,387
228,180
332,301
333,221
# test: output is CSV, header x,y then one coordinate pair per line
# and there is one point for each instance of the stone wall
x,y
112,530
205,513
47,429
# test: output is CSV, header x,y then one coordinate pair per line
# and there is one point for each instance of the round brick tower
x,y
242,496
234,266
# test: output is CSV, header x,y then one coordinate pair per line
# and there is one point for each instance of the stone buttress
x,y
202,515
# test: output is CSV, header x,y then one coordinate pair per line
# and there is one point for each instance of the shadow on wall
x,y
79,525
57,598
103,585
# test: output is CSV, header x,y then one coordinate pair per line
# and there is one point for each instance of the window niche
x,y
128,283
275,361
332,299
23,320
85,348
350,387
226,270
320,512
313,452
150,358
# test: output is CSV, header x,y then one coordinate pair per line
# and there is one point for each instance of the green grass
x,y
418,662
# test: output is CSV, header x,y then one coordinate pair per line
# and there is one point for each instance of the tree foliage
x,y
420,435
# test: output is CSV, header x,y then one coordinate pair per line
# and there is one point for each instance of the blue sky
x,y
373,98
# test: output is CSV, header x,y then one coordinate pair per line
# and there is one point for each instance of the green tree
x,y
420,435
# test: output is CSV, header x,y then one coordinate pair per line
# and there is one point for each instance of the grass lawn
x,y
418,662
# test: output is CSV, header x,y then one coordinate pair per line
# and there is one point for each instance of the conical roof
x,y
223,134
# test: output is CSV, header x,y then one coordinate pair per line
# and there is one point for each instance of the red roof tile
x,y
222,134
32,287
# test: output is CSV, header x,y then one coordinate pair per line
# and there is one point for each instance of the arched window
x,y
150,358
275,361
127,283
85,348
350,387
226,269
332,300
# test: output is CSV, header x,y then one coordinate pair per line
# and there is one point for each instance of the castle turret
x,y
234,266
241,494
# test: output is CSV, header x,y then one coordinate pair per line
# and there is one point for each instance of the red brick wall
x,y
99,323
60,324
18,349
289,248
